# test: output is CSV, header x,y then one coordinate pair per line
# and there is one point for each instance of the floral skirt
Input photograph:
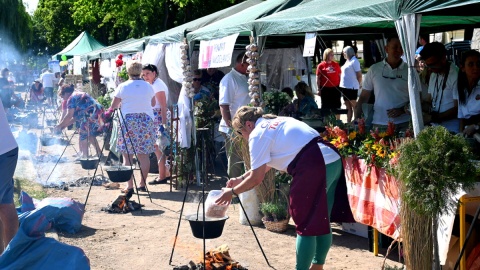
x,y
163,135
141,135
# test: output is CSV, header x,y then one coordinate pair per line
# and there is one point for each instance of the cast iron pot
x,y
213,226
51,122
89,163
47,140
119,173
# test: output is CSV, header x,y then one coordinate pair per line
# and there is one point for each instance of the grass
x,y
33,189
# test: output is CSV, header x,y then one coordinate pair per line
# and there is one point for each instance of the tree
x,y
58,22
53,25
15,24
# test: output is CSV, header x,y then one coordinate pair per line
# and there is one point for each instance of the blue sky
x,y
30,5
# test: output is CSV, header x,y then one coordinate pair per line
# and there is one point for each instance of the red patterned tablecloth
x,y
373,196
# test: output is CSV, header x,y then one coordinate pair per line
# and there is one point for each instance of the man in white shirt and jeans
x,y
389,82
233,94
48,79
8,163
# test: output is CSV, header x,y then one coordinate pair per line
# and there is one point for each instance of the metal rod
x,y
468,237
135,154
94,173
56,163
179,221
253,231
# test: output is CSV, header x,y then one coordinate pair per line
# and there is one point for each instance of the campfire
x,y
215,259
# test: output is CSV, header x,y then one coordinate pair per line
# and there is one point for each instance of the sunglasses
x,y
197,79
239,132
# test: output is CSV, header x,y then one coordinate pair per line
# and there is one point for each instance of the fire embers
x,y
215,259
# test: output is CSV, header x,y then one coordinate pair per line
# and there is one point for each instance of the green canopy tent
x,y
96,54
82,44
177,34
374,16
242,22
404,17
131,47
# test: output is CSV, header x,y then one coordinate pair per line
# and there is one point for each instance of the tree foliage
x,y
53,25
58,22
15,24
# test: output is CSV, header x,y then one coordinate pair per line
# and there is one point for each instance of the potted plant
x,y
431,169
275,213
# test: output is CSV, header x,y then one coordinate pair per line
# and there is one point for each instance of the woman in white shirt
x,y
137,133
350,81
317,189
150,74
469,92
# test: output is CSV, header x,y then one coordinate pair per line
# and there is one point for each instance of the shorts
x,y
8,163
48,92
349,94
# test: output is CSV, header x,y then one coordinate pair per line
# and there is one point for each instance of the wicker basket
x,y
276,226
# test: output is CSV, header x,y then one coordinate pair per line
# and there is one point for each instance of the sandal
x,y
143,189
156,181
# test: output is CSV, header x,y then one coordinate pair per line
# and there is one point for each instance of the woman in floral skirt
x,y
137,134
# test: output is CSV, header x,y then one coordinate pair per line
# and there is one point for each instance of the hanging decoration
x,y
254,73
119,61
187,72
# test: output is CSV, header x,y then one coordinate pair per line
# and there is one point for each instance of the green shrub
x,y
433,167
274,211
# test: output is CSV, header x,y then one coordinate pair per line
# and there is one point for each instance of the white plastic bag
x,y
214,210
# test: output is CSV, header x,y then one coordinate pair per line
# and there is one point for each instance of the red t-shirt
x,y
331,71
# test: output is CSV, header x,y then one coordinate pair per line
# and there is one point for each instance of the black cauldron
x,y
213,226
51,122
47,140
89,163
119,173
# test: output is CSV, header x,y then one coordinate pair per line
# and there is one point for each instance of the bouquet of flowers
x,y
375,147
275,101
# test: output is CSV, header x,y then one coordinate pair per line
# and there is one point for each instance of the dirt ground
x,y
144,240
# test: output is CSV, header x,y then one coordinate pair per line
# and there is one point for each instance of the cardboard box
x,y
356,228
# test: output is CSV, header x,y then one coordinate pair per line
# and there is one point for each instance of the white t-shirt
x,y
472,104
47,79
443,100
389,93
7,141
276,142
159,86
136,96
233,92
348,78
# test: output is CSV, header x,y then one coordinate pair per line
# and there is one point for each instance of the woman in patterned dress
x,y
86,112
137,134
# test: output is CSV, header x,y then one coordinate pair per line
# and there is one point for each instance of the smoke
x,y
9,55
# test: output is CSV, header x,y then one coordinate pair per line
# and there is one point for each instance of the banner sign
x,y
217,52
309,46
